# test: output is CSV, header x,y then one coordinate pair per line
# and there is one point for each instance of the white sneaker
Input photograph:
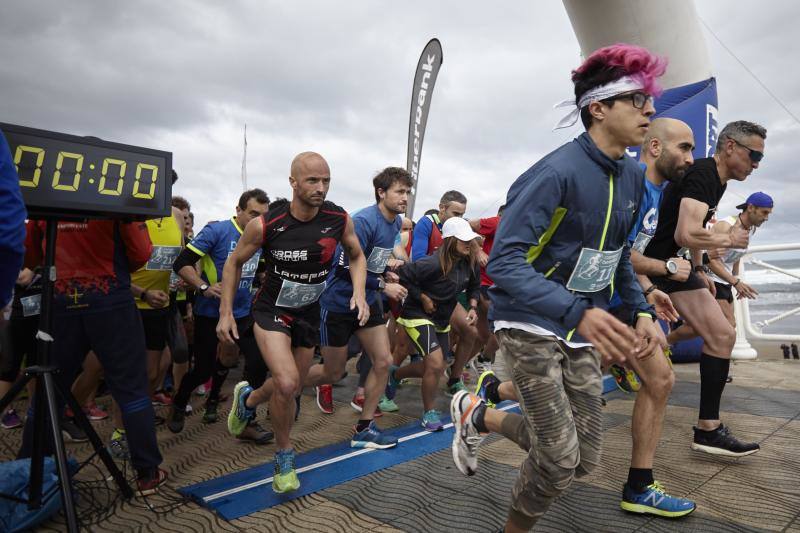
x,y
188,409
467,438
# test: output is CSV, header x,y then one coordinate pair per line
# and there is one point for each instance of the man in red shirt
x,y
93,309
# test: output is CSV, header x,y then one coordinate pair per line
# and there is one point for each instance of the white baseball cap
x,y
459,228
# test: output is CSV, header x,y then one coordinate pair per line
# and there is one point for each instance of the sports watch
x,y
672,267
203,288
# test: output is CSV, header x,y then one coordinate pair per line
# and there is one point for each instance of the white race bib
x,y
641,242
162,257
594,270
31,305
377,260
294,294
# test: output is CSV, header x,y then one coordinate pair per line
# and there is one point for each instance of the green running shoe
x,y
285,477
239,414
387,405
486,379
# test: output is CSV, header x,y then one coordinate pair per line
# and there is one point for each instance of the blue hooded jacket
x,y
575,197
12,223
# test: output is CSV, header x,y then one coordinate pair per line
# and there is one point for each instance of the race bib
x,y
294,294
734,255
31,305
641,242
162,257
377,260
594,270
250,267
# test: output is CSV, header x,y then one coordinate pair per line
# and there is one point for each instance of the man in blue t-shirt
x,y
377,227
666,156
211,247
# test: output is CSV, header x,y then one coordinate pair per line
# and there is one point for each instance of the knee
x,y
380,365
286,385
724,339
557,478
434,365
660,384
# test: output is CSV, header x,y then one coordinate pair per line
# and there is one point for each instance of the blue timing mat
x,y
246,492
249,491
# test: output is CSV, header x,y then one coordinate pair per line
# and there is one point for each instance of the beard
x,y
670,168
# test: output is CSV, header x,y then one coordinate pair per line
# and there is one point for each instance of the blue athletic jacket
x,y
574,197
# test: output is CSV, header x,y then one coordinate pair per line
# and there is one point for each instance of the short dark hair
x,y
259,195
277,202
453,196
181,203
388,177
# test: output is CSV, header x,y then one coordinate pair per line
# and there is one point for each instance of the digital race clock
x,y
67,175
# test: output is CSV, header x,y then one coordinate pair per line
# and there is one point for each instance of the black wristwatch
x,y
203,288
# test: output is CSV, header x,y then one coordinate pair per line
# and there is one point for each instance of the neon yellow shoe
x,y
239,415
285,477
627,380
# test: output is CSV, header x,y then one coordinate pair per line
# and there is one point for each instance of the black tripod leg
x,y
15,389
97,444
37,451
61,457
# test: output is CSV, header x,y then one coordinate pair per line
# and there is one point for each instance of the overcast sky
x,y
335,77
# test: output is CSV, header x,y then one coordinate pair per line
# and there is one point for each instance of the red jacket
x,y
94,260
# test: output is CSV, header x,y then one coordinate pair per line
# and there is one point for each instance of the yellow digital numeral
x,y
120,182
76,179
21,149
153,176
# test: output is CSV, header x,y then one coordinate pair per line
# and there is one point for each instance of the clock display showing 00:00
x,y
145,177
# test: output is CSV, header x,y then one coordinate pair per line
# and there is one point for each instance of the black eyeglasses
x,y
638,99
755,155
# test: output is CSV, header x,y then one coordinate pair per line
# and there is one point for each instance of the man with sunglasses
x,y
686,208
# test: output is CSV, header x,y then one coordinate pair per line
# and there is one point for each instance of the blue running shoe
x,y
239,415
484,381
654,500
432,420
391,383
372,437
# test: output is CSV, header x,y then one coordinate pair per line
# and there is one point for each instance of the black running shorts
x,y
303,329
337,328
156,327
669,286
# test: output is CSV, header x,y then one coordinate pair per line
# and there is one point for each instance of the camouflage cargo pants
x,y
561,426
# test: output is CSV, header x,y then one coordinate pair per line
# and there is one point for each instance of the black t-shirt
x,y
298,256
701,183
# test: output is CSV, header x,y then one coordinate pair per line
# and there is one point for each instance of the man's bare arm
x,y
248,244
690,232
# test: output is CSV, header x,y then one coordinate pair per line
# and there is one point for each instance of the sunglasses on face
x,y
638,99
755,155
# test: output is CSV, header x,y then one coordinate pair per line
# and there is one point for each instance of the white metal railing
x,y
745,328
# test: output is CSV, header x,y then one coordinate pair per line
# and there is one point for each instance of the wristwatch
x,y
381,284
203,288
672,267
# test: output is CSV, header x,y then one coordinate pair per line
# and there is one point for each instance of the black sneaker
x,y
71,431
176,419
721,442
210,416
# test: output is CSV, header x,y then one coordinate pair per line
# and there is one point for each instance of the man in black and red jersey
x,y
93,309
298,240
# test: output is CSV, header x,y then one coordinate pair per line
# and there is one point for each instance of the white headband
x,y
622,85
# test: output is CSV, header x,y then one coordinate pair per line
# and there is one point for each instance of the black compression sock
x,y
362,425
640,478
478,418
713,374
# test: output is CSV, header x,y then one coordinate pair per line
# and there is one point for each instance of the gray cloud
x,y
336,78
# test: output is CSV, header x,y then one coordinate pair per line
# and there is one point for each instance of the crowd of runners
x,y
568,279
